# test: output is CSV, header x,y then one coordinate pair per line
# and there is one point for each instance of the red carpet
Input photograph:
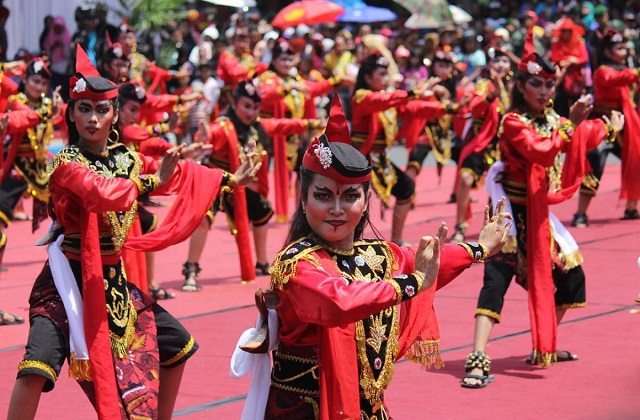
x,y
604,384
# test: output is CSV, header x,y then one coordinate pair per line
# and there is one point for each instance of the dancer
x,y
531,137
612,84
95,184
230,137
375,130
27,150
489,103
349,307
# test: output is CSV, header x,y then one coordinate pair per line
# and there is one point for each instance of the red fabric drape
x,y
630,188
240,215
135,263
96,328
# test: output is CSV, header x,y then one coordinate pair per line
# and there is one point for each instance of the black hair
x,y
367,67
74,136
300,228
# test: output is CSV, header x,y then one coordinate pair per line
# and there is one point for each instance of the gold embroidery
x,y
376,330
185,350
373,260
120,344
36,364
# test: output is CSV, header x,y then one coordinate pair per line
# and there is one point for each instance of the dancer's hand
x,y
248,168
427,261
580,109
202,135
195,150
169,162
495,230
616,121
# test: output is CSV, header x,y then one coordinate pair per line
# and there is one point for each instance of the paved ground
x,y
602,385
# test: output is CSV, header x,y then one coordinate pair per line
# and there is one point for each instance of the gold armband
x,y
146,183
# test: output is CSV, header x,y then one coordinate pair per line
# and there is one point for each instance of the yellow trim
x,y
154,224
571,305
186,349
36,364
264,220
473,173
489,313
4,219
3,239
398,291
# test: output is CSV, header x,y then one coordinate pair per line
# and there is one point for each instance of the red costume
x,y
227,152
279,101
375,130
612,91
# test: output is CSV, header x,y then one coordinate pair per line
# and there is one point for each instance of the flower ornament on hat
x,y
249,89
87,83
533,63
132,91
493,52
611,38
332,154
442,55
38,66
282,47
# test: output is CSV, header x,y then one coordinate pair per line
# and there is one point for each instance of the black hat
x,y
87,82
114,52
611,38
282,47
131,91
38,66
248,89
332,154
494,52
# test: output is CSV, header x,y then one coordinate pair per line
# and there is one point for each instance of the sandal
x,y
580,220
262,269
561,356
477,360
458,236
161,294
190,270
631,214
9,319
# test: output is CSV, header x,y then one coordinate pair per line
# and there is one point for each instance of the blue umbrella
x,y
357,11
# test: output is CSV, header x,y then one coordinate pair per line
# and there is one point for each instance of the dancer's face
x,y
378,80
501,66
129,113
93,119
35,86
537,92
334,209
247,110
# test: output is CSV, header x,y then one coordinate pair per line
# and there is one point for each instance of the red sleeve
x,y
230,70
134,134
218,138
591,132
319,88
283,126
454,259
380,101
154,146
429,110
159,73
319,298
94,192
479,106
606,76
22,119
529,144
159,103
7,87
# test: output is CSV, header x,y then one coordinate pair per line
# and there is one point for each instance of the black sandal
x,y
262,269
5,321
477,360
190,270
161,294
561,356
631,214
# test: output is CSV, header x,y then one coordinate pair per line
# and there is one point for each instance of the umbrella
x,y
308,12
233,3
427,13
357,11
459,15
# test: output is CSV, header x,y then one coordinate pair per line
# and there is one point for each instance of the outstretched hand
x,y
495,229
427,261
248,168
616,121
169,162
